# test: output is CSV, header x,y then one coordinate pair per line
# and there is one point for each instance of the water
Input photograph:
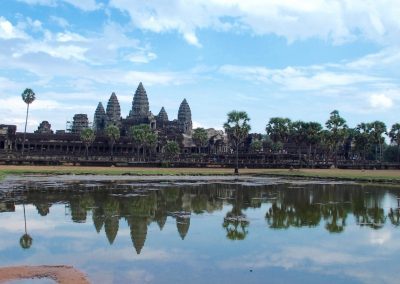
x,y
249,231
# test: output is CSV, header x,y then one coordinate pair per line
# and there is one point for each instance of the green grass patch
x,y
377,176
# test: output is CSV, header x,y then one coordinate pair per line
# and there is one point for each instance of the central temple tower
x,y
140,104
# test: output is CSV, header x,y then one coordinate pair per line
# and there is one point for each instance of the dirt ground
x,y
60,274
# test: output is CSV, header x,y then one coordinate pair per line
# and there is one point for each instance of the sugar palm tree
x,y
28,96
200,138
237,128
87,136
338,128
113,135
394,135
378,128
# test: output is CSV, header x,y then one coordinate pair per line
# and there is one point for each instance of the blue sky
x,y
289,58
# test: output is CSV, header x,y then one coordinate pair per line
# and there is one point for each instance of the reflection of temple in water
x,y
286,206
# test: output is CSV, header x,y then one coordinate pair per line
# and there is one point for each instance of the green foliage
x,y
28,96
394,133
237,127
200,137
113,133
298,132
337,126
144,136
362,139
171,149
313,132
87,136
391,154
256,145
278,129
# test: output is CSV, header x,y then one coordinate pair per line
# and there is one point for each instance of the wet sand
x,y
60,274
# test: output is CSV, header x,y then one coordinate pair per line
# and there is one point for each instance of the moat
x,y
193,229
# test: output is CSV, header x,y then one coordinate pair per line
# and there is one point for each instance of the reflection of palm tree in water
x,y
394,216
26,240
235,222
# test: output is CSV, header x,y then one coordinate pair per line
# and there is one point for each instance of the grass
x,y
338,174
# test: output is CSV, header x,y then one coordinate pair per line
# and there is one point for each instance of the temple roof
x,y
184,113
140,102
162,115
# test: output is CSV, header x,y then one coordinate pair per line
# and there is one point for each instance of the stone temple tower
x,y
162,118
100,118
185,117
140,104
113,111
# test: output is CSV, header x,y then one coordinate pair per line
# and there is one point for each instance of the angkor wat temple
x,y
66,145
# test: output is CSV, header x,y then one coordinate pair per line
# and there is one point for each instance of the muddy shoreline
x,y
60,274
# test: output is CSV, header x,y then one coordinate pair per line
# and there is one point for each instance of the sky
x,y
287,58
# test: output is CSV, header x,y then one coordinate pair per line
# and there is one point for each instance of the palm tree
x,y
144,136
151,141
298,134
26,240
113,135
138,134
278,130
313,137
394,135
337,127
200,138
362,138
28,96
237,128
87,136
378,128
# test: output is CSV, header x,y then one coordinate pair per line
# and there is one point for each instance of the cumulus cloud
x,y
9,31
380,101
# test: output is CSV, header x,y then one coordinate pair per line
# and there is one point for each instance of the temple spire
x,y
140,103
162,115
113,110
100,117
185,117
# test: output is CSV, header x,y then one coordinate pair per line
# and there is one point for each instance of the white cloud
x,y
308,78
60,21
154,78
192,39
338,21
66,52
85,5
69,36
380,101
8,31
142,57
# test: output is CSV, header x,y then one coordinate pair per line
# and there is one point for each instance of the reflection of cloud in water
x,y
319,260
297,257
380,237
140,276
